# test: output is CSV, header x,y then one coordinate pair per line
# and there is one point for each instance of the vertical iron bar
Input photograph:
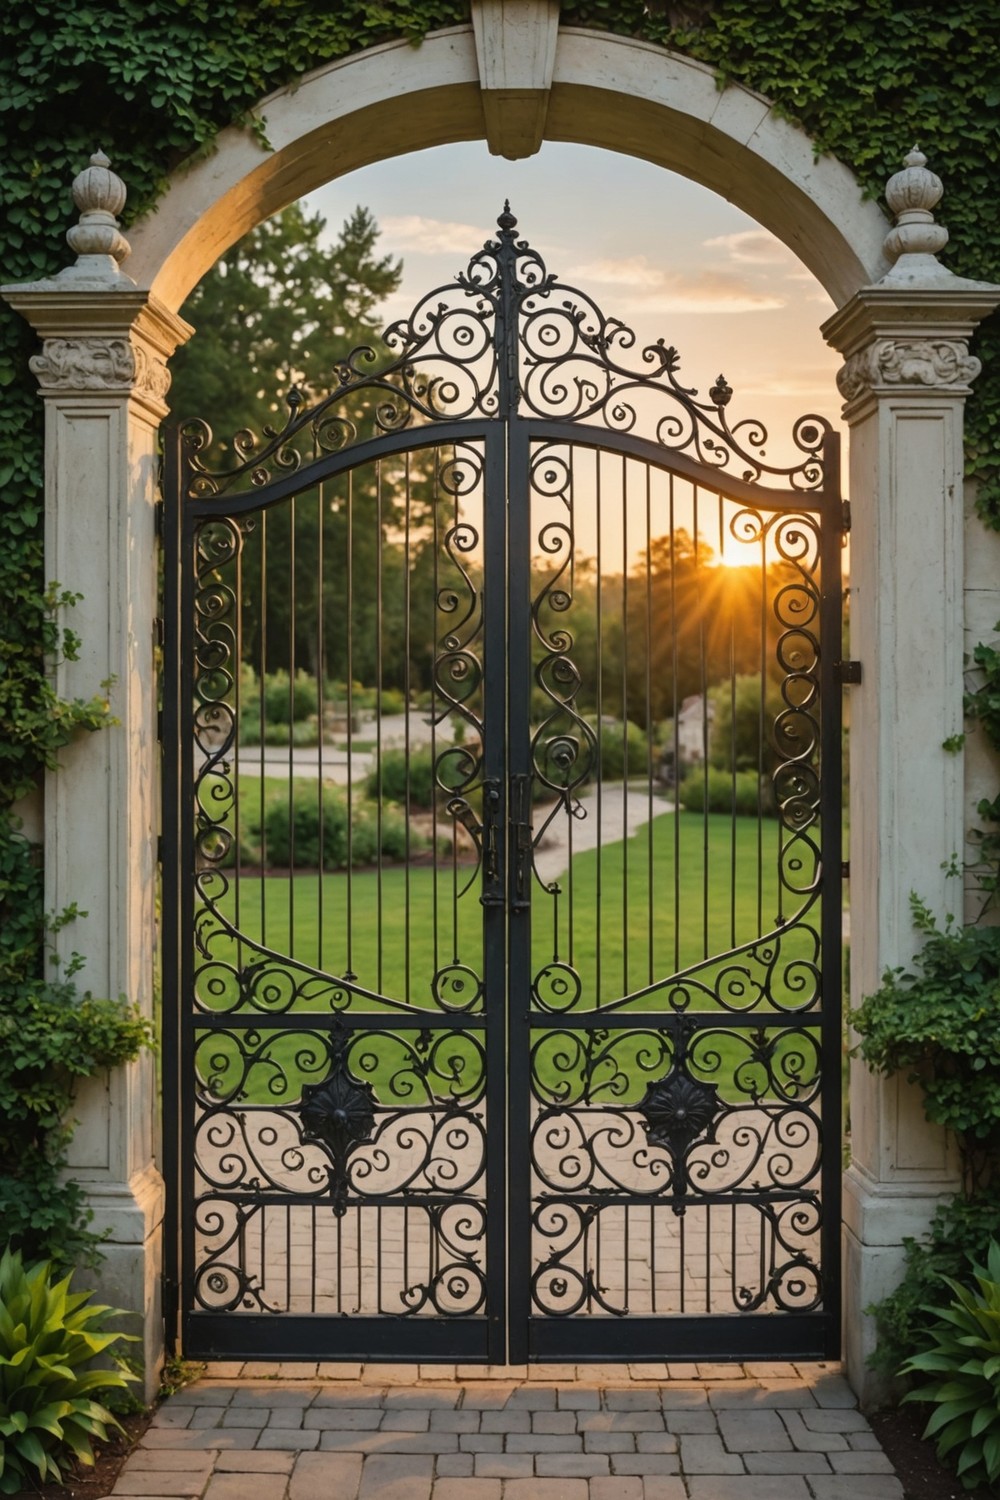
x,y
761,718
379,542
263,724
349,605
600,728
291,727
407,988
237,687
321,726
625,837
504,974
435,571
732,751
831,838
675,662
649,730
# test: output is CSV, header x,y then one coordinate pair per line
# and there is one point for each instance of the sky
x,y
669,257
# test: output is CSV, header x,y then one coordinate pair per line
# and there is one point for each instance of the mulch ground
x,y
915,1461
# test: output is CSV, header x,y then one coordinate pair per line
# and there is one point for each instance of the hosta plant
x,y
963,1364
48,1334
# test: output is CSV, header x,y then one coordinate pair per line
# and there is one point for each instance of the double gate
x,y
502,856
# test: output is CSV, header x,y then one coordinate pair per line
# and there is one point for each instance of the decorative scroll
x,y
727,1125
506,336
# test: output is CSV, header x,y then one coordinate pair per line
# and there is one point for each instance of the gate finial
x,y
100,195
506,221
912,195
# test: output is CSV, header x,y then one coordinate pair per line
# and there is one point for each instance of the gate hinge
x,y
845,869
158,519
159,633
159,848
159,726
847,672
845,515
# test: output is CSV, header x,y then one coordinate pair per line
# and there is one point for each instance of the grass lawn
x,y
683,890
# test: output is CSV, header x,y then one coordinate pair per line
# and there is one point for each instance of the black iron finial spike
x,y
506,220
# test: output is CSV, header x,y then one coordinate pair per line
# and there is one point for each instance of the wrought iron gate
x,y
503,1016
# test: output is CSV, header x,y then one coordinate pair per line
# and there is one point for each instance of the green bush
x,y
938,1024
51,1037
725,793
298,832
47,1415
614,739
393,701
303,733
959,1236
399,776
964,1365
744,737
281,704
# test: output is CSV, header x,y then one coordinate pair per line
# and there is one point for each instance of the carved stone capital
x,y
920,363
100,364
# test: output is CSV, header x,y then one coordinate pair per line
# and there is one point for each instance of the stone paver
x,y
763,1431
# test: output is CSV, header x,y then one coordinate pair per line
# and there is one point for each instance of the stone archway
x,y
517,78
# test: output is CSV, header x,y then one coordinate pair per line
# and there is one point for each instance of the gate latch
x,y
520,828
847,672
492,882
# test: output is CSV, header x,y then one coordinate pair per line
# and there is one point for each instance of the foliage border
x,y
153,81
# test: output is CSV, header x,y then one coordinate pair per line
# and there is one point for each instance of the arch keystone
x,y
516,56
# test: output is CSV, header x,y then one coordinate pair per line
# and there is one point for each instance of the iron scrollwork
x,y
339,1114
506,336
708,1114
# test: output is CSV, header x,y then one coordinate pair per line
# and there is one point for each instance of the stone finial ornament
x,y
912,194
100,196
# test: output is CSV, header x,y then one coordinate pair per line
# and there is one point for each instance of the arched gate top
x,y
506,339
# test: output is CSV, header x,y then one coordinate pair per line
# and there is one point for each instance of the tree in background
x,y
279,309
283,309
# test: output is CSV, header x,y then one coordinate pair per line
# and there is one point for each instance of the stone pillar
x,y
102,374
907,374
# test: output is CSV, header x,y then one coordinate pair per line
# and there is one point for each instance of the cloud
x,y
648,288
413,234
752,247
755,247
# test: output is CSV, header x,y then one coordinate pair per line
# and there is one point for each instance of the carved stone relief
x,y
913,362
99,364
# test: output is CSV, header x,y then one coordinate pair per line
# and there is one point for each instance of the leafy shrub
x,y
389,779
964,1364
723,792
959,1236
304,732
393,701
939,1024
614,739
50,1037
737,736
46,1334
299,831
282,704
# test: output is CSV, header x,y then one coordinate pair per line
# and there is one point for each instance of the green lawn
x,y
679,893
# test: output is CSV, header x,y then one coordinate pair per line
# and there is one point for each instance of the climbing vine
x,y
153,81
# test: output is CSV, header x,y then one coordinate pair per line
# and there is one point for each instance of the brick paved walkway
x,y
611,1432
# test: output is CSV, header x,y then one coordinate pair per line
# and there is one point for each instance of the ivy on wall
x,y
152,82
